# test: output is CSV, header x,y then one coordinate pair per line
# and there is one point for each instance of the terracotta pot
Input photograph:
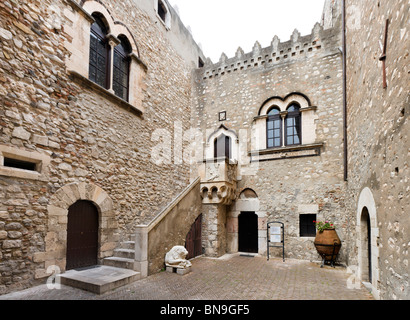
x,y
328,244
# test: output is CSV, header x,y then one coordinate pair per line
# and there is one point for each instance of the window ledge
x,y
219,160
20,173
85,82
301,151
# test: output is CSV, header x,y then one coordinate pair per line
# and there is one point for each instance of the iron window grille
x,y
99,53
121,69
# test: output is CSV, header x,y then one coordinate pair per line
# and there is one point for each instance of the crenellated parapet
x,y
297,48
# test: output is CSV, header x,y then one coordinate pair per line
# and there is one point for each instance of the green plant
x,y
320,225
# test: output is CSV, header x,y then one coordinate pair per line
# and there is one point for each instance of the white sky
x,y
224,25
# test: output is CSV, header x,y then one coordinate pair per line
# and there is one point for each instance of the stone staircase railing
x,y
167,229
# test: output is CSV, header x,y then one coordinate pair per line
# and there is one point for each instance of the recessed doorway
x,y
366,246
193,241
82,235
248,232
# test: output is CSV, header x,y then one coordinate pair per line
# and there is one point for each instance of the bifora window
x,y
122,69
99,53
293,126
274,128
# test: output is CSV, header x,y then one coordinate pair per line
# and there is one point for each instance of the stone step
x,y
99,279
128,245
125,253
120,262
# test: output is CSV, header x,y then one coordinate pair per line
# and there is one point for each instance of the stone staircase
x,y
129,262
114,272
124,256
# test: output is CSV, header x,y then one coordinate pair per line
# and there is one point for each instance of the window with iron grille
x,y
121,70
274,129
307,226
99,49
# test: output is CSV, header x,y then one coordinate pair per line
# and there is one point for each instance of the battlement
x,y
325,38
298,47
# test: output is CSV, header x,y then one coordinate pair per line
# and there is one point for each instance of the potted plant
x,y
327,242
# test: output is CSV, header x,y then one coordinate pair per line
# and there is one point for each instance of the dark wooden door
x,y
248,232
82,235
193,242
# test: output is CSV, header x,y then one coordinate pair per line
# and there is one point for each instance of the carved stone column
x,y
113,41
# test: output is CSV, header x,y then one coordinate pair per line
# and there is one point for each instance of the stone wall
x,y
288,182
129,158
378,141
80,134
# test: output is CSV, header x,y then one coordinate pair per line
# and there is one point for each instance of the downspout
x,y
345,145
344,91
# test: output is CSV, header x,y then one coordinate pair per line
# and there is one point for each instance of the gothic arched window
x,y
121,70
274,129
293,126
99,53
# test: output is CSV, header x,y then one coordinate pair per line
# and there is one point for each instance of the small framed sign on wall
x,y
222,116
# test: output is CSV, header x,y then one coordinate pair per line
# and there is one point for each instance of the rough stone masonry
x,y
64,138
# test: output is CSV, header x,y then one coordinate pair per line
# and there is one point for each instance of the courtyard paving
x,y
232,277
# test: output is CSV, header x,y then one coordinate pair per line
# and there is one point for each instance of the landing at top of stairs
x,y
99,279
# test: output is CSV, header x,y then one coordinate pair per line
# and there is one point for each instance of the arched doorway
x,y
82,235
366,246
248,232
368,233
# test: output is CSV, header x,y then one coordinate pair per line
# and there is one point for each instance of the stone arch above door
x,y
60,202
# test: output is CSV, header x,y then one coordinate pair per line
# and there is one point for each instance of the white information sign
x,y
276,234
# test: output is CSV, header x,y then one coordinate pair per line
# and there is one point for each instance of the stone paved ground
x,y
232,277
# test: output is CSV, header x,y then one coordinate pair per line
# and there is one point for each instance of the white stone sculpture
x,y
176,258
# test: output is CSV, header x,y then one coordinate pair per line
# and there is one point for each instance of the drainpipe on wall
x,y
344,90
345,146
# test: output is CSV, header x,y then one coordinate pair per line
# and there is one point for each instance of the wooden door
x,y
82,235
193,242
